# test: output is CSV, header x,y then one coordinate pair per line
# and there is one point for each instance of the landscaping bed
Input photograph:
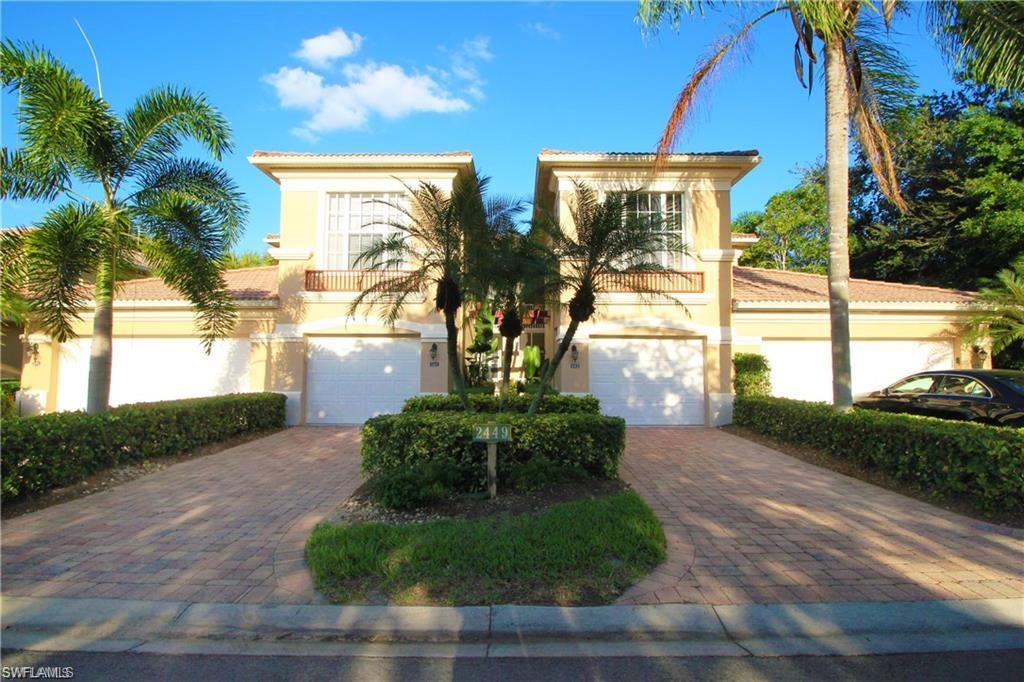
x,y
582,552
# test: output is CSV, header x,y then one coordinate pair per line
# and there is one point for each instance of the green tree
x,y
999,316
961,175
610,247
439,240
792,230
864,76
129,197
247,259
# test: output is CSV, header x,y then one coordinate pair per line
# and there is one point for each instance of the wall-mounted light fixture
x,y
433,352
33,352
574,353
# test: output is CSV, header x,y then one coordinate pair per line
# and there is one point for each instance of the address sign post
x,y
492,433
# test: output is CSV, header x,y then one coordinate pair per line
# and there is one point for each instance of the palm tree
x,y
523,272
611,248
986,39
999,316
863,78
437,239
129,198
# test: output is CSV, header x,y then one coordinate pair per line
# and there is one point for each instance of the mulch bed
x,y
960,505
359,507
111,478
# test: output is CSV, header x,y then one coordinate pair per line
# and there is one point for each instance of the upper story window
x,y
667,209
355,221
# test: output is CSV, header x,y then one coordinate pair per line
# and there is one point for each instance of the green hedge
x,y
752,374
394,442
549,404
946,457
54,450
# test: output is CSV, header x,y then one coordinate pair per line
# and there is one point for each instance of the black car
x,y
987,396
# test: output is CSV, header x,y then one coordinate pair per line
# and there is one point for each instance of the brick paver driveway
x,y
227,527
746,523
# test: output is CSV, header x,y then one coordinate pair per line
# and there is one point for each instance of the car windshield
x,y
918,384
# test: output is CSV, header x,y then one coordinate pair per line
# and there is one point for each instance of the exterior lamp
x,y
433,352
574,353
33,351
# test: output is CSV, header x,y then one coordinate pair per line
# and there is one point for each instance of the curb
x,y
56,624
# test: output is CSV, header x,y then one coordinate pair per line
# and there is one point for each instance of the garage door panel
x,y
649,381
350,379
150,369
802,369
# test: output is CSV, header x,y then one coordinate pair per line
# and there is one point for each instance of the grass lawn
x,y
583,552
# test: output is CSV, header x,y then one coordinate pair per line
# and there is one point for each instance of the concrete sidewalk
x,y
56,624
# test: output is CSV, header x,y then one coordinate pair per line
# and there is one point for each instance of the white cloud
x,y
465,64
322,50
383,89
543,30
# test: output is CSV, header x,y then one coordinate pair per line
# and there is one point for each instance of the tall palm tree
x,y
438,240
128,197
611,248
986,39
999,316
863,76
523,273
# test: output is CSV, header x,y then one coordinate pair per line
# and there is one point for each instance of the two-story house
x,y
651,361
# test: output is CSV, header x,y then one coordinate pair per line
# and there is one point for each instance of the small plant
x,y
484,350
752,374
539,472
415,486
531,362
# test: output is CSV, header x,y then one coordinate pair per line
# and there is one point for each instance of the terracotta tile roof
x,y
245,284
731,152
762,285
263,153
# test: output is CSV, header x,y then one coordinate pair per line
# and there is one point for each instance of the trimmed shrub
x,y
589,442
54,450
414,486
752,374
985,463
549,404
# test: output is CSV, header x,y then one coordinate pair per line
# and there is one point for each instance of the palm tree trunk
x,y
454,366
837,141
506,371
100,355
545,380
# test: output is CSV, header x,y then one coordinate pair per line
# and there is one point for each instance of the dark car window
x,y
1015,383
918,384
961,385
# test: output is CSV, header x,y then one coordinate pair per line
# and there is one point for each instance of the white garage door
x,y
148,369
803,369
350,379
649,381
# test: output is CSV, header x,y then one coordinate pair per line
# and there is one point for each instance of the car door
x,y
906,396
957,396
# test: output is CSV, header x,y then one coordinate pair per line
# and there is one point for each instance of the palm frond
x,y
999,309
22,177
984,38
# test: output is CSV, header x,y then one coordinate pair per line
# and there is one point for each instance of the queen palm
x,y
611,248
863,76
128,197
999,316
437,240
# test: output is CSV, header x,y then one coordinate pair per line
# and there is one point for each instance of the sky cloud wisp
x,y
372,88
543,30
323,50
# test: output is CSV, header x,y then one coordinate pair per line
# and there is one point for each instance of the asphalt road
x,y
991,666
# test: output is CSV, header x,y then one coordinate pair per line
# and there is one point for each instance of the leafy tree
x,y
247,259
608,248
1000,310
129,197
792,230
961,175
439,240
864,77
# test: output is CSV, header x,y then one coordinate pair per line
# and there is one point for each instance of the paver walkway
x,y
748,524
745,523
223,528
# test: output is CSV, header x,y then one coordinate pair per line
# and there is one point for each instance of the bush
x,y
549,404
985,463
589,442
53,450
752,374
415,486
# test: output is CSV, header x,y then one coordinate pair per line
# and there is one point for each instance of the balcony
x,y
668,282
347,280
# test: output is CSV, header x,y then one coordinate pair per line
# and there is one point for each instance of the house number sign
x,y
492,434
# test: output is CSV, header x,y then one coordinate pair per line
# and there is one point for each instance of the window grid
x,y
667,207
356,221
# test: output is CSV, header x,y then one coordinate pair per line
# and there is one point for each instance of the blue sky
x,y
500,80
